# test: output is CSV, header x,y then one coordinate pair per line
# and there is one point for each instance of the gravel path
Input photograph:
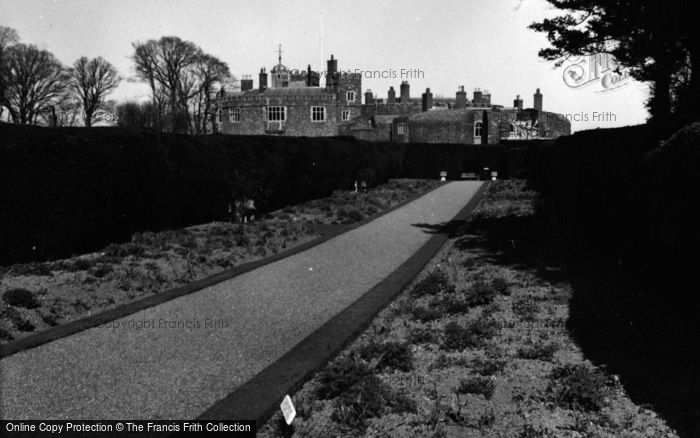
x,y
176,359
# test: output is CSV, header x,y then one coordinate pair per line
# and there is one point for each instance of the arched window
x,y
512,128
477,129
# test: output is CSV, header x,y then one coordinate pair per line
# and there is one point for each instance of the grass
x,y
578,386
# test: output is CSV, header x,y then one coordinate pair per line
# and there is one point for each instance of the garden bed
x,y
37,296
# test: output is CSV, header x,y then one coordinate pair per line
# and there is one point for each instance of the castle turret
x,y
391,96
405,93
246,83
332,74
518,103
369,97
262,80
461,98
538,100
427,100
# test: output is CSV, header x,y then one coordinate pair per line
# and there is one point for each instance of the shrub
x,y
425,314
538,351
578,387
341,375
477,385
349,215
480,293
421,336
474,334
22,323
390,355
525,307
5,335
501,286
102,270
432,284
79,265
450,304
21,298
488,367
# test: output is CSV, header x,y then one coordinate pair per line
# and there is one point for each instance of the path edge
x,y
259,397
103,317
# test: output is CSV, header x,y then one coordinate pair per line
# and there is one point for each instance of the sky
x,y
441,44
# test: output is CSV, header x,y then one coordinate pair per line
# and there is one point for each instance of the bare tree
x,y
8,37
34,81
162,64
207,71
91,81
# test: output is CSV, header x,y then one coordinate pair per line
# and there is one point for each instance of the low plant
x,y
432,284
543,351
19,297
426,314
480,293
501,285
389,355
340,375
488,366
422,335
525,308
578,387
477,385
474,334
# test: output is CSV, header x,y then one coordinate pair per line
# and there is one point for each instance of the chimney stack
x,y
405,93
427,101
246,83
263,80
538,101
332,74
461,98
518,103
369,97
391,96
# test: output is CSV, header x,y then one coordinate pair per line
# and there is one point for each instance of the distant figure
x,y
244,210
364,186
355,186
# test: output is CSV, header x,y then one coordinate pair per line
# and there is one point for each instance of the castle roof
x,y
454,115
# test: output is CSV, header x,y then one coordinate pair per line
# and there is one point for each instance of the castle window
x,y
318,113
350,96
345,115
477,129
401,128
234,115
218,115
276,113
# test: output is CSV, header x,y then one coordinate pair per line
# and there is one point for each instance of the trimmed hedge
x,y
629,194
73,190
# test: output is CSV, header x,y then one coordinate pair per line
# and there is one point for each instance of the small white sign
x,y
288,409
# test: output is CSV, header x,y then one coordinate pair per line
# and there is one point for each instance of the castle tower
x,y
538,100
518,103
262,80
332,74
391,96
461,98
405,93
427,100
369,97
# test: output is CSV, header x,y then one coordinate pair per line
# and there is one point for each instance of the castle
x,y
296,105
